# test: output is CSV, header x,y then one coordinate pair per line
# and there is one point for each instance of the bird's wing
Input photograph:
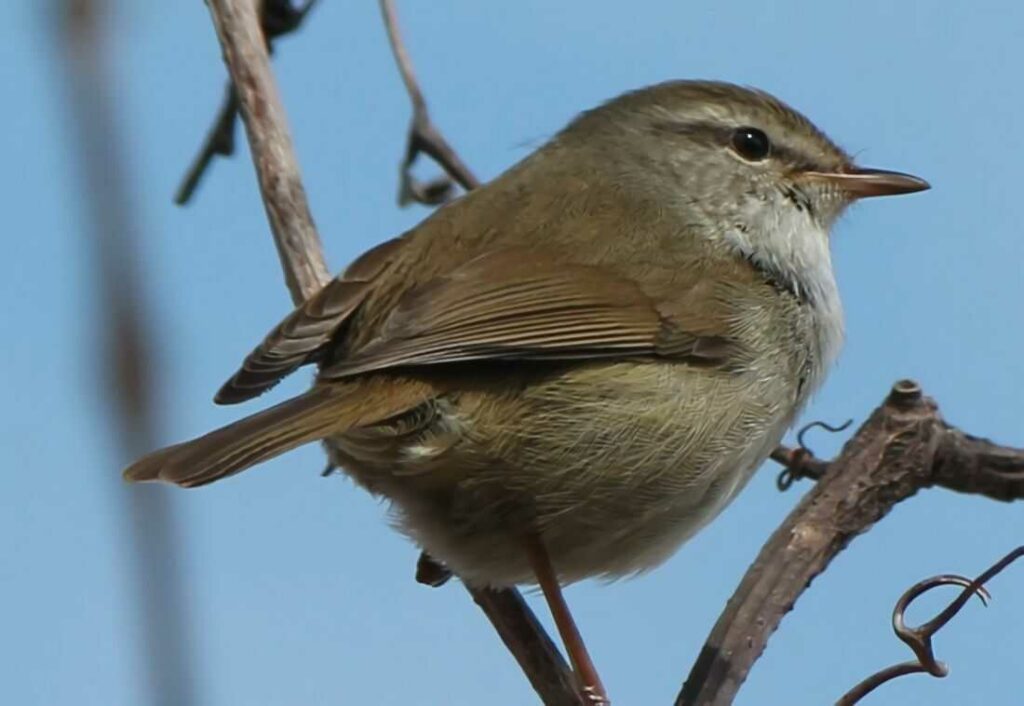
x,y
516,305
306,333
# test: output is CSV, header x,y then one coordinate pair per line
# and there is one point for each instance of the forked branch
x,y
245,53
904,447
424,137
278,17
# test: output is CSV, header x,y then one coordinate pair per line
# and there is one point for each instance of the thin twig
x,y
531,646
882,676
277,17
248,62
424,137
518,627
219,141
919,639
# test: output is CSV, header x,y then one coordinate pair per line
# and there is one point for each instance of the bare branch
x,y
526,639
903,447
970,464
248,62
278,17
424,137
513,620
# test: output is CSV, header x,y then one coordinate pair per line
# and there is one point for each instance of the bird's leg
x,y
582,665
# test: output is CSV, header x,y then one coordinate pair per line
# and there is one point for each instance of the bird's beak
x,y
859,182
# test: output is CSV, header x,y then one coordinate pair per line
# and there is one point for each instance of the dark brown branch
x,y
277,17
919,639
526,639
970,464
219,141
248,62
424,137
126,356
903,447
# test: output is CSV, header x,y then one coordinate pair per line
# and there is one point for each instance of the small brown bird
x,y
569,371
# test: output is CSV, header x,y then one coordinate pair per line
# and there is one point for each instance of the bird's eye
x,y
751,144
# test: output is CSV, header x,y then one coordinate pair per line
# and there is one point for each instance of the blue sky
x,y
299,592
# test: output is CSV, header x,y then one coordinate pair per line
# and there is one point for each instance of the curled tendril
x,y
800,462
793,469
919,639
819,425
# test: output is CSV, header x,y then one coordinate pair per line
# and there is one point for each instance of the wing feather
x,y
514,305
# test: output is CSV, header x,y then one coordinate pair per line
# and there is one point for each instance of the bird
x,y
569,371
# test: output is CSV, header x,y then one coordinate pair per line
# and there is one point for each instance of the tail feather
x,y
247,442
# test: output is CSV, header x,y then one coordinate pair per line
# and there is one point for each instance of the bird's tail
x,y
321,412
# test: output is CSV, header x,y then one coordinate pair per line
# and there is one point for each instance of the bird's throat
x,y
791,249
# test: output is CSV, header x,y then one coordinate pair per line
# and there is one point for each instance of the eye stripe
x,y
712,133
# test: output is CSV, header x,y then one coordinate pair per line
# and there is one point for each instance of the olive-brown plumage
x,y
591,353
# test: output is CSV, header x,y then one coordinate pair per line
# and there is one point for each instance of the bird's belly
x,y
612,465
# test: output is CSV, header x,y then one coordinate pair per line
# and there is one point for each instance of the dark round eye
x,y
751,143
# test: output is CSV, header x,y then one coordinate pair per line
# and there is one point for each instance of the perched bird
x,y
569,371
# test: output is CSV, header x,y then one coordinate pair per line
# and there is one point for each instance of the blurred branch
x,y
126,350
424,137
277,17
903,447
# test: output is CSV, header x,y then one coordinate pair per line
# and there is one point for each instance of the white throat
x,y
787,242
